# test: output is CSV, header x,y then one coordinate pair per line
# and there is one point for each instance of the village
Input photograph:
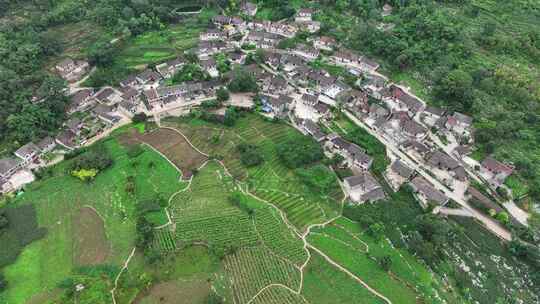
x,y
429,148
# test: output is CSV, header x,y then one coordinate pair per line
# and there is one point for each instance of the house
x,y
148,77
74,125
426,193
311,128
309,99
104,113
431,115
108,96
28,153
67,139
129,94
248,8
345,57
210,66
397,174
212,34
276,105
47,144
405,101
310,26
130,81
462,151
171,67
9,166
412,129
221,20
495,172
444,162
128,108
367,64
306,52
386,10
5,186
355,156
322,109
332,88
291,62
373,84
151,96
278,85
72,70
304,14
324,43
417,147
459,124
237,57
272,59
208,48
81,101
363,188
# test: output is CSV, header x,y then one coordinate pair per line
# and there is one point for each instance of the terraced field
x,y
270,181
278,295
251,269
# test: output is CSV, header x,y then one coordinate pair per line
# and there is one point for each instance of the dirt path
x,y
126,263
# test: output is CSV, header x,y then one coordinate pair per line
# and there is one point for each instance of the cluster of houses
x,y
288,81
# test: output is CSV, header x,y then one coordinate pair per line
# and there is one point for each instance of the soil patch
x,y
173,145
90,241
177,292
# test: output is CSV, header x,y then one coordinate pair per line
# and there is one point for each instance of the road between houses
x,y
488,222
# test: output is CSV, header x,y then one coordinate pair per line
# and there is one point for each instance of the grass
x,y
48,261
325,284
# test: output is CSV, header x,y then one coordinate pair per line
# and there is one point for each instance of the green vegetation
x,y
299,150
250,155
46,262
242,81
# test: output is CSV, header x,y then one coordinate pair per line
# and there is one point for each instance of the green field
x,y
58,199
271,181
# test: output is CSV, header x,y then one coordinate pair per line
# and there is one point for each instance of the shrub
x,y
139,117
318,178
298,151
85,174
250,155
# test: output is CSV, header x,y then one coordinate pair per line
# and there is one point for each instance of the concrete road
x,y
487,221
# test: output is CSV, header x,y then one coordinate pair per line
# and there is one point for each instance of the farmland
x,y
60,202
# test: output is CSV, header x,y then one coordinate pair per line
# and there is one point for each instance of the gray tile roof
x,y
8,164
401,169
423,186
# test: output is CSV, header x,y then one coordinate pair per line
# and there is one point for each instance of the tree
x,y
385,262
4,222
222,94
457,89
3,282
243,81
376,231
189,72
214,298
231,115
318,178
101,53
139,117
250,155
298,151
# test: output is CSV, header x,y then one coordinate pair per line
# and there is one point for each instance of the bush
x,y
3,283
238,200
243,81
139,117
318,178
250,155
299,150
98,158
222,94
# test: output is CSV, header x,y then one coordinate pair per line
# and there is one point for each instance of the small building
x,y
406,101
248,8
47,144
353,154
130,81
310,99
67,139
304,15
9,166
212,34
311,128
367,64
108,96
81,101
444,162
417,147
148,77
363,188
322,109
306,52
431,115
129,94
345,57
72,70
412,129
28,153
210,66
397,174
74,124
426,194
324,43
276,105
459,124
495,172
171,67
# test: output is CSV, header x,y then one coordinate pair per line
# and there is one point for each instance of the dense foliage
x,y
242,81
318,178
250,155
298,151
190,72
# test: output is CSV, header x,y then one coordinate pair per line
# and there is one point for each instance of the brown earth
x,y
91,246
173,145
176,292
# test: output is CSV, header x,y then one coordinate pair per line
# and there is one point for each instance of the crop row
x,y
278,295
251,269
